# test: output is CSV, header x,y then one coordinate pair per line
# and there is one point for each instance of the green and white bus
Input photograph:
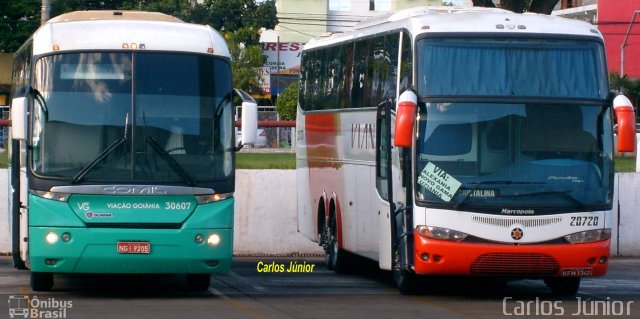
x,y
123,153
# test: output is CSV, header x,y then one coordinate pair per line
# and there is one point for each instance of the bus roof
x,y
425,20
125,30
113,15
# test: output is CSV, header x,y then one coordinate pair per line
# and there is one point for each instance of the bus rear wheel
x,y
41,281
567,286
335,258
198,282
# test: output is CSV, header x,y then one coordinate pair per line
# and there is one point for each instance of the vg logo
x,y
84,206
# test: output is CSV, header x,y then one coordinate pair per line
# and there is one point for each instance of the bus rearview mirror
x,y
19,118
405,119
249,122
626,123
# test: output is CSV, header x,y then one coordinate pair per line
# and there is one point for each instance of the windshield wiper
x,y
478,184
85,170
175,166
76,179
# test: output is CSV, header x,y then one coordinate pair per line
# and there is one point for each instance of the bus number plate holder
x,y
134,247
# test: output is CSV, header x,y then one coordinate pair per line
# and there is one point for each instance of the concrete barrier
x,y
265,214
265,217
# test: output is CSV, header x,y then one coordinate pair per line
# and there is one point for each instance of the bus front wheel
x,y
563,286
404,279
41,281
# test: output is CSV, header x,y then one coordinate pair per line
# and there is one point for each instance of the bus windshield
x,y
132,116
510,67
553,156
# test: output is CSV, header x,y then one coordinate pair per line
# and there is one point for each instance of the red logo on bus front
x,y
517,233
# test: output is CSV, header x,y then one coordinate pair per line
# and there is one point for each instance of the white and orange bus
x,y
473,142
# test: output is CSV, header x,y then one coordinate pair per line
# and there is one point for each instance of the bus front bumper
x,y
439,257
95,250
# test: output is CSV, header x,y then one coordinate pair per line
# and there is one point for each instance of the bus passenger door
x,y
388,183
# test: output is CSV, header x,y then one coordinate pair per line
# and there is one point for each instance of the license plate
x,y
134,247
577,272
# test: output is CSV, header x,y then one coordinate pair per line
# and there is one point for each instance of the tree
x,y
624,85
245,61
244,17
18,20
519,6
240,21
287,102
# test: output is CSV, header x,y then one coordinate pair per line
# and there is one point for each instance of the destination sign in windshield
x,y
91,72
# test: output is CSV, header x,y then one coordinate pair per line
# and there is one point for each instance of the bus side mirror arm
x,y
406,111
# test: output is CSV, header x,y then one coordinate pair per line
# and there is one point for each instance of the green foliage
x,y
243,17
18,20
245,61
287,102
245,160
626,86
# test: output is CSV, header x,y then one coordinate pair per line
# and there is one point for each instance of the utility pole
x,y
45,14
624,42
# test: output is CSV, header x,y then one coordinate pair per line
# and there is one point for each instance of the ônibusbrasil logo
x,y
26,306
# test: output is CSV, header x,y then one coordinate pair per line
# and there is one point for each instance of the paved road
x,y
369,293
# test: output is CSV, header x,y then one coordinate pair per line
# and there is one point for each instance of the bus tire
x,y
41,281
335,258
563,286
405,281
198,282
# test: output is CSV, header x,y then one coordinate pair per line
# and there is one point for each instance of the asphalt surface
x,y
368,293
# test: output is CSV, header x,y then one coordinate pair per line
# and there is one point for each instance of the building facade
x,y
619,22
301,20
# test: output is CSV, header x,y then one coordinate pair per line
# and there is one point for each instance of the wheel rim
x,y
331,252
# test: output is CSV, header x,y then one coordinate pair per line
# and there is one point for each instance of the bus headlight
x,y
440,233
51,238
589,236
206,199
213,240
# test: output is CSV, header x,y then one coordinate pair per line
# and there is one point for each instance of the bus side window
x,y
347,76
406,64
361,82
334,77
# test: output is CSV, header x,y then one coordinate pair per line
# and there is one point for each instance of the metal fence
x,y
4,130
273,135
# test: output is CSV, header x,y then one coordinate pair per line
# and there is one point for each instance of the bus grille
x,y
512,264
135,225
510,222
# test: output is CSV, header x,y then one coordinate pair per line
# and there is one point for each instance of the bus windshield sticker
x,y
438,182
